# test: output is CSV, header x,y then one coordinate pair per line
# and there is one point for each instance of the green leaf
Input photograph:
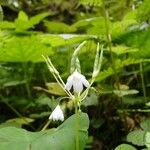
x,y
55,88
24,23
24,49
145,125
131,100
119,50
121,27
58,27
91,100
7,25
125,147
144,11
119,64
94,26
136,137
91,2
147,139
14,83
37,18
121,93
56,40
16,122
62,137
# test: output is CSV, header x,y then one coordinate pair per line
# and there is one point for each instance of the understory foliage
x,y
118,104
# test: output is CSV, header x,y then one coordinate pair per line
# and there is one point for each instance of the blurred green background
x,y
120,98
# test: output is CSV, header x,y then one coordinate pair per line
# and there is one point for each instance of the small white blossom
x,y
76,80
57,114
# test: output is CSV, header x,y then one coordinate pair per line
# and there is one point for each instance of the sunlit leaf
x,y
145,125
147,139
136,137
125,147
55,88
24,49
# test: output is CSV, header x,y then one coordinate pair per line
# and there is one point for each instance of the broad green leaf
x,y
24,49
30,47
94,26
120,27
131,100
22,16
62,137
16,122
37,18
91,100
143,11
24,23
147,139
136,137
119,64
58,27
56,40
7,25
14,83
55,88
137,39
120,50
145,125
125,147
121,93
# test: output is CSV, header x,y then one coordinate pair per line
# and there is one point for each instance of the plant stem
x,y
77,124
26,77
109,41
142,80
46,125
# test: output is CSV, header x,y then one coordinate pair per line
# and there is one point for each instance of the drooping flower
x,y
57,114
76,80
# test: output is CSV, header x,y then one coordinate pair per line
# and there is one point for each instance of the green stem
x,y
77,124
46,125
142,80
109,41
26,77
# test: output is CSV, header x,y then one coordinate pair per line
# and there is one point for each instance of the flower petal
x,y
76,80
77,86
69,83
57,114
85,82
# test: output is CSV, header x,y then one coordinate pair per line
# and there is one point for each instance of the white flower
x,y
76,80
57,114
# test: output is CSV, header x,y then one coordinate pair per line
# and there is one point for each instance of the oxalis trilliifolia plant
x,y
76,80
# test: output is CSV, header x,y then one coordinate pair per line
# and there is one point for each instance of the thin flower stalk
x,y
56,75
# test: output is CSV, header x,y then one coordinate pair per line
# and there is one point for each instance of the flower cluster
x,y
76,80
